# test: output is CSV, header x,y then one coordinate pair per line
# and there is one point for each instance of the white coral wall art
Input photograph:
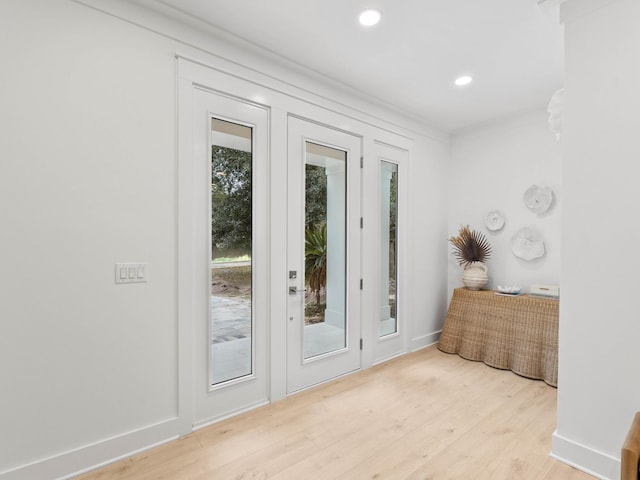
x,y
527,244
538,199
494,220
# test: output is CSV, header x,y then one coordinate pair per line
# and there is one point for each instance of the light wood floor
x,y
427,415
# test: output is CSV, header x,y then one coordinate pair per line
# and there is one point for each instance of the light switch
x,y
131,272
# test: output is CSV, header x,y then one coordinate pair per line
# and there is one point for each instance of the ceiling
x,y
512,48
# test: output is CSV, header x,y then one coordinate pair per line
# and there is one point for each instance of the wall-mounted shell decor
x,y
538,199
494,220
527,244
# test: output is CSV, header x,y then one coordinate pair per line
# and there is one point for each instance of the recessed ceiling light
x,y
370,17
464,80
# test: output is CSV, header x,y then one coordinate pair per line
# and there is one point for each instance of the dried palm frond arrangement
x,y
470,246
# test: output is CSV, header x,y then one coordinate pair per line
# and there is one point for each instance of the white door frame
x,y
395,344
303,373
212,403
283,101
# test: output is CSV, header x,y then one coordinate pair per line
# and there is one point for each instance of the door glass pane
x,y
388,247
325,250
231,280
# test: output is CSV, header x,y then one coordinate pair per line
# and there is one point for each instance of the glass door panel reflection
x,y
388,248
231,323
325,205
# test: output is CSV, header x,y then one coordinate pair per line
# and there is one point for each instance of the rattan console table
x,y
513,333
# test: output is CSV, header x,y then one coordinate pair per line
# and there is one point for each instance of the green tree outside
x,y
231,202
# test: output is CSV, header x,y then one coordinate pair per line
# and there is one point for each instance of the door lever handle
x,y
293,290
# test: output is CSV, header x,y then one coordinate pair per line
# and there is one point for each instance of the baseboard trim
x,y
424,341
212,420
586,459
388,358
98,454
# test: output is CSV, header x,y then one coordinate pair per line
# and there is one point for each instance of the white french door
x,y
391,326
228,198
263,318
323,254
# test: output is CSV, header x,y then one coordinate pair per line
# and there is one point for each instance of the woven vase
x,y
475,276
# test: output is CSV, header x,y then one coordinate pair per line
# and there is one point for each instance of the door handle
x,y
293,290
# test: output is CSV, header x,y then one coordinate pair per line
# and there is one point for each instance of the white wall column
x,y
598,364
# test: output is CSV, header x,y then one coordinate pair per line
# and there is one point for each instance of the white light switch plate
x,y
131,272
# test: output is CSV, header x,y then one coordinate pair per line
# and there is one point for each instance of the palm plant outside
x,y
315,265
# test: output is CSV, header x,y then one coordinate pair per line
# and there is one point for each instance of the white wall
x,y
599,363
87,180
89,369
491,168
428,194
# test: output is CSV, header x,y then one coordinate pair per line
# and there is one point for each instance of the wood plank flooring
x,y
424,416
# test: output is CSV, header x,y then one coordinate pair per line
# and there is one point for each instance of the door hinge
x,y
360,344
361,162
361,222
361,282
